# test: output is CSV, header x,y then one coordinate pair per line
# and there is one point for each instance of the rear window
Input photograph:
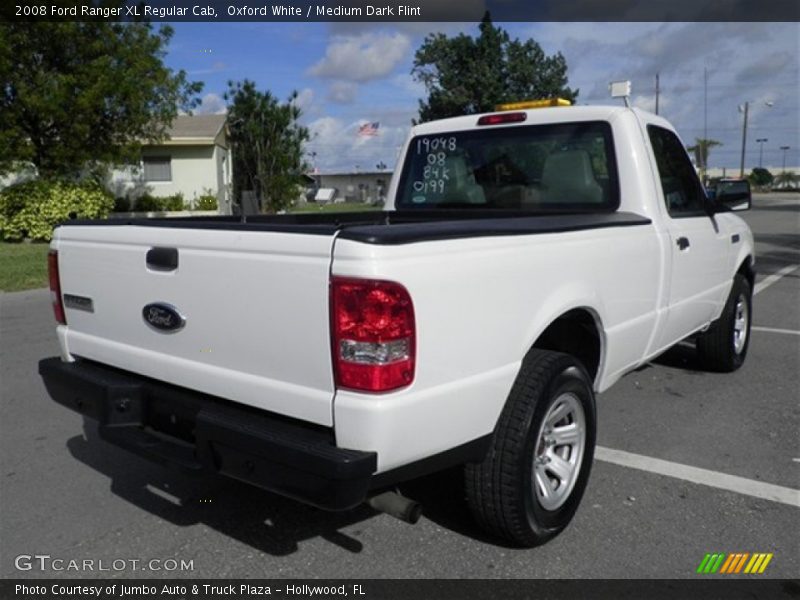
x,y
563,167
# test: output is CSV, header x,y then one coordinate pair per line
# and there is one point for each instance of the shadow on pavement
x,y
265,521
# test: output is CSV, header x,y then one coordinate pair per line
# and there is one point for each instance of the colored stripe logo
x,y
735,563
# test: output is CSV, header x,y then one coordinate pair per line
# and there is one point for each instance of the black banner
x,y
391,589
405,10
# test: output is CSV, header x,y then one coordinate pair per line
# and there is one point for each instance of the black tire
x,y
717,348
500,489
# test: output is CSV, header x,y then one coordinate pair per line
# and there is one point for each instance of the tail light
x,y
55,287
373,334
501,118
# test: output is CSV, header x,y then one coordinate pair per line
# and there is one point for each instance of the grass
x,y
342,207
23,266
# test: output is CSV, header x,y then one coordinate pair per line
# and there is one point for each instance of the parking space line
x,y
722,481
775,330
770,279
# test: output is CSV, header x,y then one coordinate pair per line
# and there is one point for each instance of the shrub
x,y
206,202
121,204
148,203
174,202
33,209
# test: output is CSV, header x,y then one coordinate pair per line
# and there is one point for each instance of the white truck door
x,y
699,244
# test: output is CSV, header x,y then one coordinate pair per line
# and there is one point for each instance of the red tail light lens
x,y
500,118
373,331
55,287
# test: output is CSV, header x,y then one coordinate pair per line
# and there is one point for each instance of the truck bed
x,y
397,227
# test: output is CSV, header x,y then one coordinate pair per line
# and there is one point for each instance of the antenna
x,y
621,89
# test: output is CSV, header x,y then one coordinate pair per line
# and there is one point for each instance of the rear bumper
x,y
196,432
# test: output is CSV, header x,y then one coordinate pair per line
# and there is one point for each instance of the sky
x,y
347,74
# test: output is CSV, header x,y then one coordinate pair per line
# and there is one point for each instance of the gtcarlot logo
x,y
735,563
45,562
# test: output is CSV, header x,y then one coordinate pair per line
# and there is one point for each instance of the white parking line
x,y
715,479
774,330
770,279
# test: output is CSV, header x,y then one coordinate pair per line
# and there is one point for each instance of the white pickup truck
x,y
524,262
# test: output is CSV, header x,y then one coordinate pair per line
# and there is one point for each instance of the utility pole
x,y
761,141
705,103
658,91
784,148
744,138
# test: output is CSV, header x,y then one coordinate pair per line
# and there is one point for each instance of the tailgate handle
x,y
162,259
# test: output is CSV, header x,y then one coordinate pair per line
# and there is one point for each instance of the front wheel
x,y
724,346
528,487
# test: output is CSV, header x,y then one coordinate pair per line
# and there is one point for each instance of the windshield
x,y
564,167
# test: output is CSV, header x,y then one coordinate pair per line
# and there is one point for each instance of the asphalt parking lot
x,y
74,497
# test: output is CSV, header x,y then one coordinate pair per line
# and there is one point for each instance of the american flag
x,y
368,129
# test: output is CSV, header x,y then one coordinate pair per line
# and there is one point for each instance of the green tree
x,y
700,150
466,75
77,95
267,145
760,177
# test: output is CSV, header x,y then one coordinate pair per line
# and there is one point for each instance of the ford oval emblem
x,y
163,317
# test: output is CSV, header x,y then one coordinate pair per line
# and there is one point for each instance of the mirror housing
x,y
731,195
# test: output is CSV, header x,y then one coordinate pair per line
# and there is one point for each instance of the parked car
x,y
525,261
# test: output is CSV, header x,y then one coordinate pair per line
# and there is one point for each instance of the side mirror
x,y
733,195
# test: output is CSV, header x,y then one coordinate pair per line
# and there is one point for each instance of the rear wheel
x,y
724,346
528,487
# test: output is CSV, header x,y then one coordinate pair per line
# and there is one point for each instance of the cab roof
x,y
535,116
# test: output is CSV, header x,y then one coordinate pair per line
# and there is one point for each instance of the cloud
x,y
408,84
648,102
342,92
362,57
216,67
211,104
768,67
339,148
706,71
305,99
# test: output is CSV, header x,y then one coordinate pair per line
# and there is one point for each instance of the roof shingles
x,y
196,126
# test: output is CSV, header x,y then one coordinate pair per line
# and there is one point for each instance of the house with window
x,y
193,160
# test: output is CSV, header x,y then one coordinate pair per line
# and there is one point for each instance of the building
x,y
355,186
194,160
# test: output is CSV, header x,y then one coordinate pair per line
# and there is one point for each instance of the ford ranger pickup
x,y
525,261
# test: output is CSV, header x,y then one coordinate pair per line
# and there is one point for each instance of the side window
x,y
682,190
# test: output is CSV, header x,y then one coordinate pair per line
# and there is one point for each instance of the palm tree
x,y
700,150
785,180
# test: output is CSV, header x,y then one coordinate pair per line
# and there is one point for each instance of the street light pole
x,y
744,139
746,110
761,141
784,148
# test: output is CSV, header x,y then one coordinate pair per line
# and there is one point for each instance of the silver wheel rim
x,y
741,316
559,451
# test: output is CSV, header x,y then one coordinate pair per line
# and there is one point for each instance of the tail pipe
x,y
397,506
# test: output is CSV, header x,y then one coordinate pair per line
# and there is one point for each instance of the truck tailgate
x,y
255,305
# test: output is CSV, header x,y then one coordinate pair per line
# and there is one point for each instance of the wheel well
x,y
746,269
574,333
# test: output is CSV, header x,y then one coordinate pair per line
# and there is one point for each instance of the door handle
x,y
683,242
162,259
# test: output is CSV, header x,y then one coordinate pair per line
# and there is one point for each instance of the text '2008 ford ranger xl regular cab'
x,y
525,261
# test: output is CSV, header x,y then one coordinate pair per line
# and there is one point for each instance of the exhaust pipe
x,y
397,506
